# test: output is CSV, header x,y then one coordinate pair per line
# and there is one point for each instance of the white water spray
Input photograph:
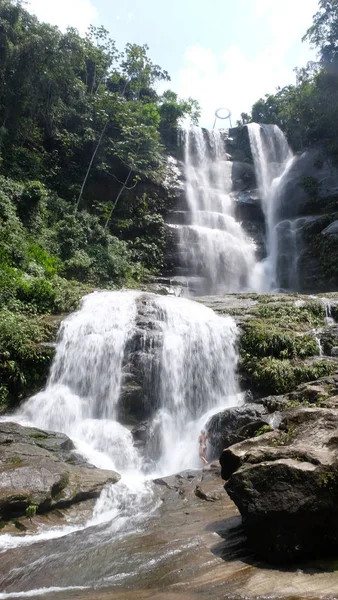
x,y
273,159
186,363
214,248
187,358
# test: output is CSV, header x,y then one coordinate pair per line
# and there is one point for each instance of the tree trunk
x,y
123,187
90,165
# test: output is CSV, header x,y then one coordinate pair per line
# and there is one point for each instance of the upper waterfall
x,y
215,253
273,158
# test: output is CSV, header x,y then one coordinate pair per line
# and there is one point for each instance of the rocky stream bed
x,y
271,533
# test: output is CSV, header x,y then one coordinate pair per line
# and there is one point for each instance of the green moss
x,y
311,186
290,316
261,338
14,460
60,485
275,340
329,479
285,438
38,436
296,403
262,430
268,375
31,511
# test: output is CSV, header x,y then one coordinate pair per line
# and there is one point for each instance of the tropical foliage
x,y
83,177
308,111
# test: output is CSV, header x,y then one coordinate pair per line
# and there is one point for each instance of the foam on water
x,y
191,377
213,245
273,160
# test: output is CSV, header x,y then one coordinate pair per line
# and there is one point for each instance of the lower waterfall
x,y
180,353
184,359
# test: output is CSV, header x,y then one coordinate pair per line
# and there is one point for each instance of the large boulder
x,y
235,424
312,183
285,484
332,229
41,468
329,338
242,176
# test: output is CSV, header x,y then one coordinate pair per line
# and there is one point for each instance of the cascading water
x,y
215,253
183,357
273,159
186,364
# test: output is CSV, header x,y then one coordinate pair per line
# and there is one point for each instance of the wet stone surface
x,y
191,548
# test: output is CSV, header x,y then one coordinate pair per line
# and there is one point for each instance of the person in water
x,y
202,441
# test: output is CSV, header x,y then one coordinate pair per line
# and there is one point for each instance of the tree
x,y
323,33
173,110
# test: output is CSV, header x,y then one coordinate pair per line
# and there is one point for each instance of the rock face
x,y
308,215
41,468
285,485
312,184
235,424
183,237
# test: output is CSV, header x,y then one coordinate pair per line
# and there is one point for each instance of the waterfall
x,y
273,159
215,253
182,356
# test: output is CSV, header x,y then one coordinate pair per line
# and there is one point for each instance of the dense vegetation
x,y
308,111
85,184
84,178
277,346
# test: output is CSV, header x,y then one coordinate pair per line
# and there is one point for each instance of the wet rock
x,y
139,396
206,495
285,484
314,391
40,468
248,206
242,175
140,434
332,229
312,184
329,339
274,403
234,425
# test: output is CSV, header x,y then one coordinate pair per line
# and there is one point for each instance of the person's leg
x,y
202,454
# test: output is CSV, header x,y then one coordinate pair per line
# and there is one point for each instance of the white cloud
x,y
64,13
237,78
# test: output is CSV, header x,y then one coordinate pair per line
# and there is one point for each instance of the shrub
x,y
287,315
262,430
24,363
68,294
269,375
32,205
51,265
38,292
79,266
31,511
262,339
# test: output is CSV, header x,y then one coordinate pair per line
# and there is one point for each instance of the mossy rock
x,y
261,338
269,375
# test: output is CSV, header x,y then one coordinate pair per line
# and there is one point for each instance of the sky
x,y
224,53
